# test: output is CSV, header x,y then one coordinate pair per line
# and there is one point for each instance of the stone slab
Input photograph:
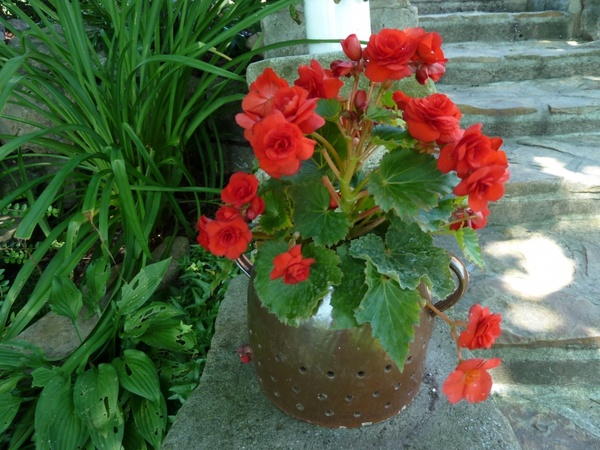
x,y
228,410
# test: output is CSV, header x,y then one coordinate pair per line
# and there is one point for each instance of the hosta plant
x,y
354,184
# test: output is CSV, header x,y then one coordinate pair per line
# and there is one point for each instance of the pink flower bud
x,y
352,48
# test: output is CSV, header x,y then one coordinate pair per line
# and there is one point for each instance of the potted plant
x,y
341,229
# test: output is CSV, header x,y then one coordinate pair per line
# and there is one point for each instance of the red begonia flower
x,y
473,150
291,266
280,146
317,81
470,380
428,61
401,99
483,328
433,118
202,234
255,208
227,213
298,109
229,239
341,68
241,189
485,184
259,101
352,48
388,55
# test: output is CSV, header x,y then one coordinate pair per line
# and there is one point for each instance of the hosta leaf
x,y
96,400
17,354
150,419
408,181
97,275
138,323
469,243
171,335
137,374
9,403
133,438
65,298
57,425
314,218
392,313
143,285
295,302
349,293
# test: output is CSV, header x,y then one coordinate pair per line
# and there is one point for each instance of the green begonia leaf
x,y
313,217
407,181
57,425
390,137
276,215
293,303
347,296
392,312
469,243
96,399
138,374
329,109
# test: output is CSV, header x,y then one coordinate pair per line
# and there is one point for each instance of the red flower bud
x,y
352,48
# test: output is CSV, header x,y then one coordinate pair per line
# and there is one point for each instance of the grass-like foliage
x,y
106,101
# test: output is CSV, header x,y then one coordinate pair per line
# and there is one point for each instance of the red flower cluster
x,y
229,234
292,266
483,328
277,117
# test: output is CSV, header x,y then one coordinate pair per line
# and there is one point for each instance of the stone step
x,y
533,107
499,26
441,6
551,176
474,63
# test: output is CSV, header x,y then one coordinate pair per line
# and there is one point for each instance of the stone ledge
x,y
228,410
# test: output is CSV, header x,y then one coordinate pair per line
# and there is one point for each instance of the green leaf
x,y
96,400
17,354
143,285
378,114
468,242
276,215
407,256
392,312
349,293
390,137
57,425
293,303
9,403
150,419
97,276
313,217
436,218
329,109
138,374
407,181
65,299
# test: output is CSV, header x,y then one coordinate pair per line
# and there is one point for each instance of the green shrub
x,y
124,89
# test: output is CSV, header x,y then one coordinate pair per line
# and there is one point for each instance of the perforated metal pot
x,y
336,378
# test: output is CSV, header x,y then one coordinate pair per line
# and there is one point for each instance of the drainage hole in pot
x,y
360,374
388,368
397,386
376,394
330,374
410,391
322,396
356,413
329,413
276,394
409,360
296,389
278,357
349,397
299,406
259,346
302,369
413,376
273,378
388,405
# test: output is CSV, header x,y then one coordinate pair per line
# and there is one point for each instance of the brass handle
x,y
456,265
462,276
